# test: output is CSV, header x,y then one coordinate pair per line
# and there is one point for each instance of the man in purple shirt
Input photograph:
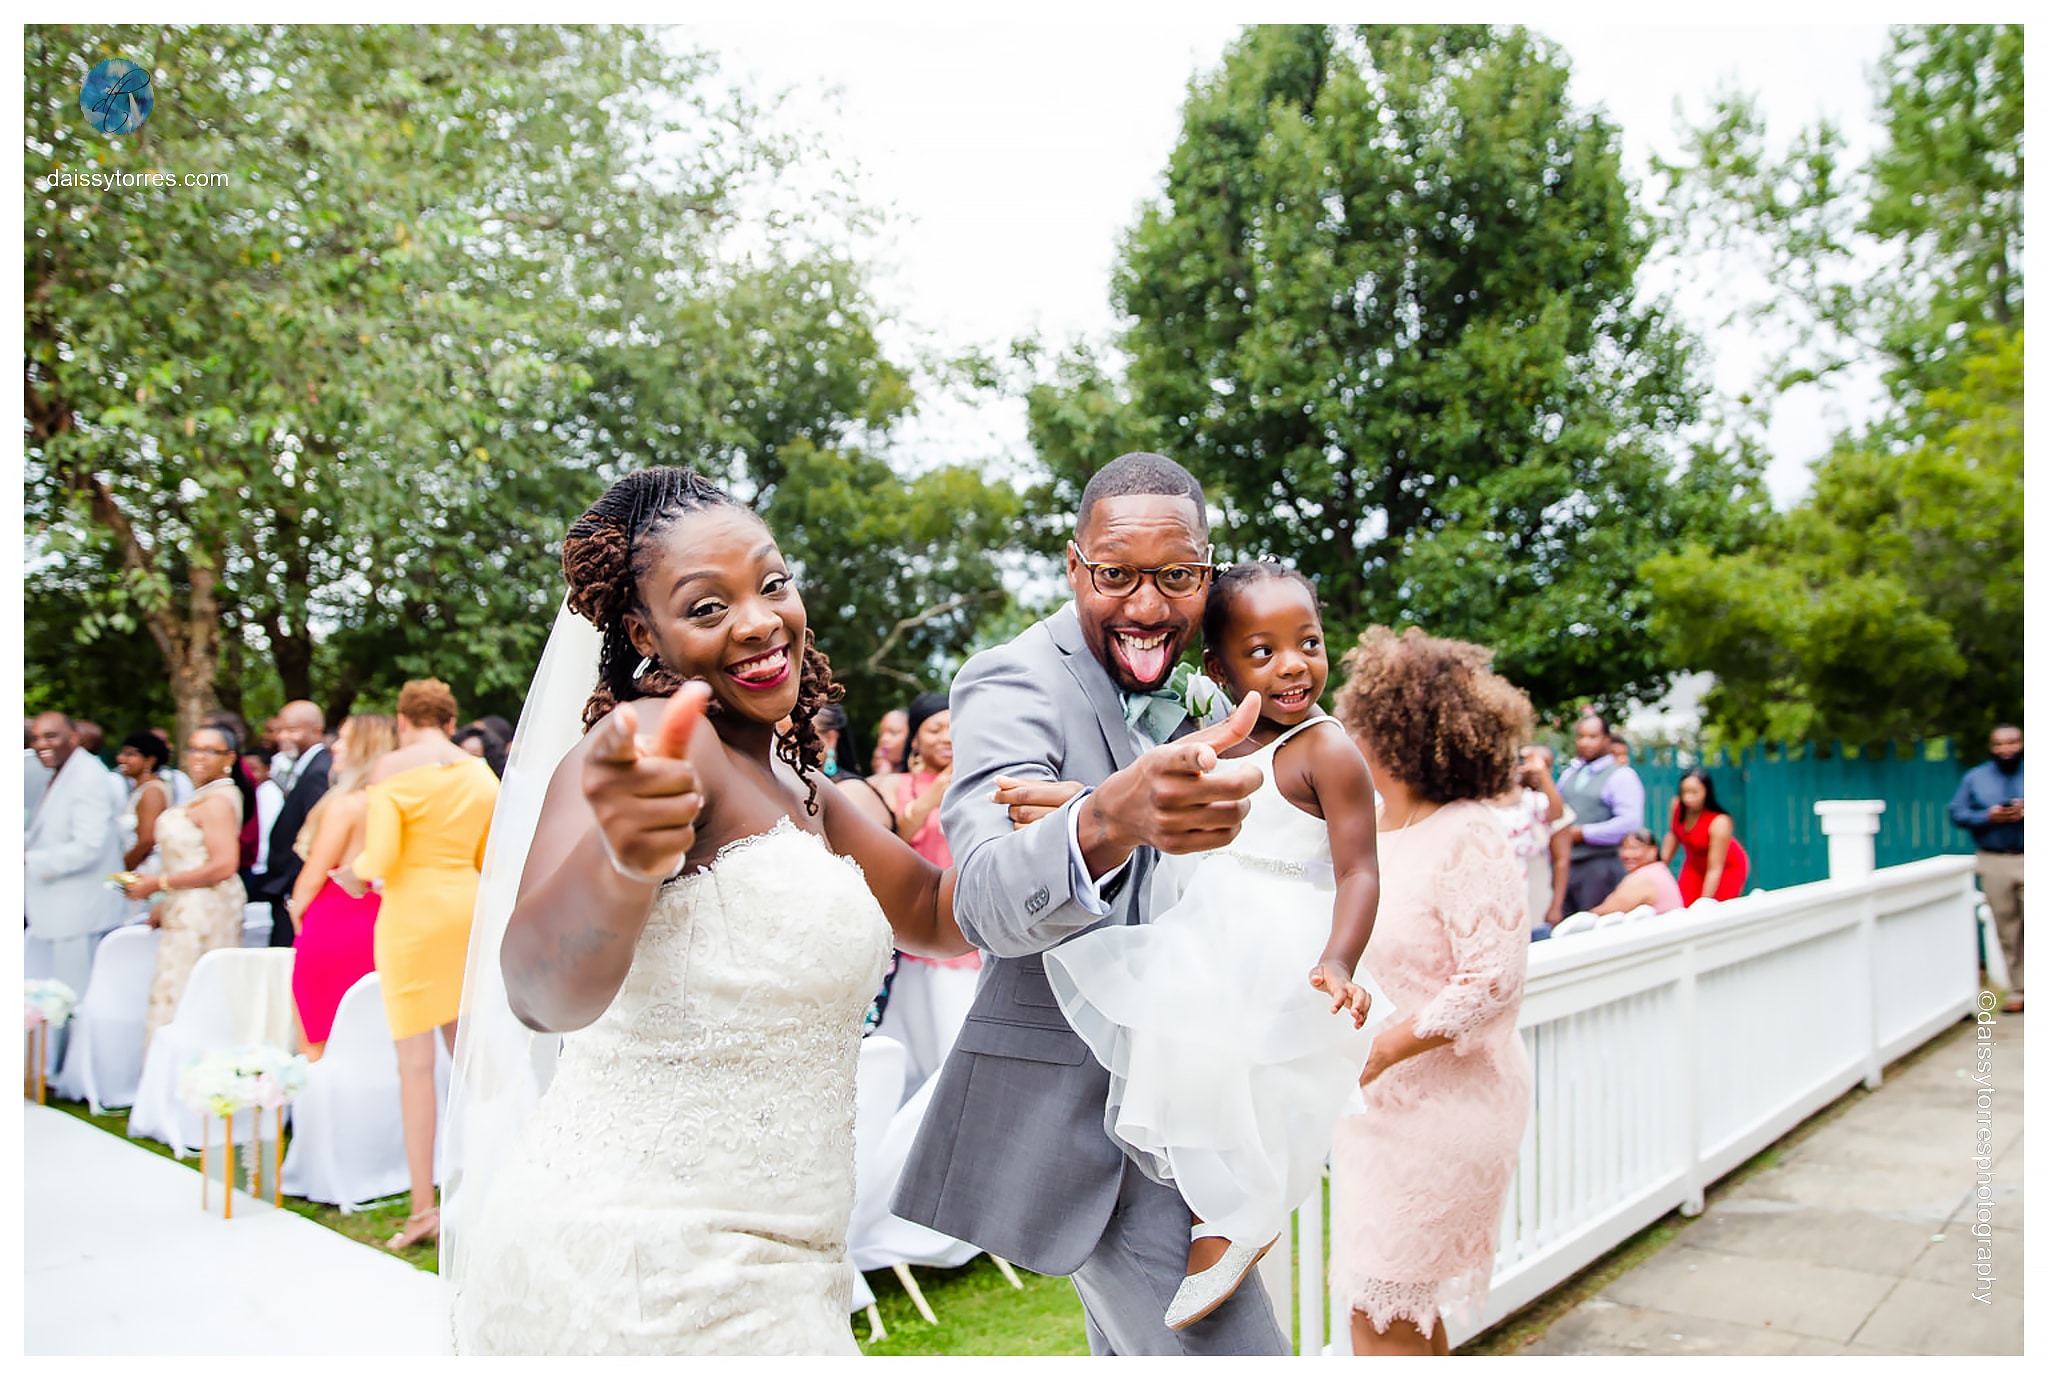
x,y
1607,797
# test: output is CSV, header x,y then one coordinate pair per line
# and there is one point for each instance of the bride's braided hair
x,y
604,555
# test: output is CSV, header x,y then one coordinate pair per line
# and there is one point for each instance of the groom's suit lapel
x,y
1065,627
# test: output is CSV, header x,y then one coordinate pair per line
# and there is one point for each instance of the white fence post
x,y
1851,829
1310,1296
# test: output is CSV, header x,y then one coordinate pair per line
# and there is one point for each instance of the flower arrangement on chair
x,y
48,1003
223,1083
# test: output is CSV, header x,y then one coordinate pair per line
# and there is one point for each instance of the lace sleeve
x,y
1483,906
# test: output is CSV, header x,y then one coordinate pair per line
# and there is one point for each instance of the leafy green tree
x,y
117,678
1386,310
1889,603
897,574
1904,258
295,379
337,410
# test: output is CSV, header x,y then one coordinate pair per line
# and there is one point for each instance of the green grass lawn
x,y
979,1314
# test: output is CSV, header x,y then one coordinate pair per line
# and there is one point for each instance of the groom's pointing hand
x,y
1180,797
1201,751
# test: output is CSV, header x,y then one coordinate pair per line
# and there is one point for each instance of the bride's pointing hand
x,y
643,790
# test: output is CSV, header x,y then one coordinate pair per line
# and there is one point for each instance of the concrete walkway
x,y
118,1259
1857,1241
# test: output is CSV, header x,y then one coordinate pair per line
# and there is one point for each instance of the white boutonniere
x,y
1203,699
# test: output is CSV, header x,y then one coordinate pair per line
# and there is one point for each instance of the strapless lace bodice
x,y
685,1183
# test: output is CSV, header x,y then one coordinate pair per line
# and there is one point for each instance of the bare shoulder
x,y
213,805
1328,743
1333,760
399,760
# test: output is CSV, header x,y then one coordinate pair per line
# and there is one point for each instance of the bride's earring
x,y
641,669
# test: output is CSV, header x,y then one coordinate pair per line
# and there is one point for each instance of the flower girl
x,y
1227,1073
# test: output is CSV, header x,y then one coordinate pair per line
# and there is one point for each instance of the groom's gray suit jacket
x,y
1012,1155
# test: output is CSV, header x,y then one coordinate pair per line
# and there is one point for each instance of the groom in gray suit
x,y
1012,1155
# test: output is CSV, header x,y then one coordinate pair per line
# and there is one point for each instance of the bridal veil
x,y
500,1067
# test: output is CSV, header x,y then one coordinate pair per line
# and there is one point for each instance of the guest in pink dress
x,y
1422,1174
1648,883
928,997
335,946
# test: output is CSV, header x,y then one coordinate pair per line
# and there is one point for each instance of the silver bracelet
x,y
627,872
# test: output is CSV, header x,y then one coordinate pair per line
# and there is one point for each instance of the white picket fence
x,y
1668,1051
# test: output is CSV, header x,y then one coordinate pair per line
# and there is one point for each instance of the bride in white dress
x,y
684,1182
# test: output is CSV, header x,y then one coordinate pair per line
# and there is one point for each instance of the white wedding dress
x,y
684,1184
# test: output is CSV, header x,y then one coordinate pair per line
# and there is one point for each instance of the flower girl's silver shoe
x,y
1201,1294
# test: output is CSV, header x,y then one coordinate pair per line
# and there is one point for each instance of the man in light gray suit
x,y
73,843
1012,1155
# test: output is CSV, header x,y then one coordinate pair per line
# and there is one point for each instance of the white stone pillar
x,y
1851,829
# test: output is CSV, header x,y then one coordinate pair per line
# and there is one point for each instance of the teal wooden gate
x,y
1770,791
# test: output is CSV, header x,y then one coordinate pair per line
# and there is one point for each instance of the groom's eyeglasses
x,y
1115,580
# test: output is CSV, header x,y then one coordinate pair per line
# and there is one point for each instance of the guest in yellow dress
x,y
430,809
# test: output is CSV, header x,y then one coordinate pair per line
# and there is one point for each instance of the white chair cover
x,y
234,997
348,1140
886,1240
103,1063
1575,923
927,1006
878,1092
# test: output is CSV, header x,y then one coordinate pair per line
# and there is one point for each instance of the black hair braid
x,y
803,747
605,552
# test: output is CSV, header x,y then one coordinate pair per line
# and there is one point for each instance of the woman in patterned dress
x,y
200,845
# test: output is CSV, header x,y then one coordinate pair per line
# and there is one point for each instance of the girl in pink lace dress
x,y
1422,1174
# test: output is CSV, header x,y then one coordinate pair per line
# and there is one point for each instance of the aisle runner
x,y
119,1259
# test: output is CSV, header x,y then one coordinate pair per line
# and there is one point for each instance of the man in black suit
x,y
300,729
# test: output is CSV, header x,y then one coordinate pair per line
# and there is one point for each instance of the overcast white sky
x,y
1012,157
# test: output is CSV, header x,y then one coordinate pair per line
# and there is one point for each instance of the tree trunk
x,y
189,638
292,654
192,652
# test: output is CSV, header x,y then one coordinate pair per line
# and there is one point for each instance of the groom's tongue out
x,y
1145,654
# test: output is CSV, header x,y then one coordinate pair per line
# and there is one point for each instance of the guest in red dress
x,y
1715,864
336,941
